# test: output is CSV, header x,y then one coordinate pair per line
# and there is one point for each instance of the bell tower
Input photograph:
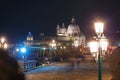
x,y
29,37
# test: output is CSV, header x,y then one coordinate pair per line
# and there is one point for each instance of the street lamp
x,y
99,47
2,40
94,48
99,28
75,48
5,46
3,43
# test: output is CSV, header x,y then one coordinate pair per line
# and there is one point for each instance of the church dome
x,y
73,27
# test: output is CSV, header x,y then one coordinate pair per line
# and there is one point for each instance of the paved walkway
x,y
65,71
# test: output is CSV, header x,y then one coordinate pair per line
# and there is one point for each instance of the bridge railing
x,y
27,64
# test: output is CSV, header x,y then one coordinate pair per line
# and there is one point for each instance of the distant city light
x,y
2,40
44,48
5,46
17,49
23,50
61,47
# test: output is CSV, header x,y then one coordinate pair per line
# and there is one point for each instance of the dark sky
x,y
18,17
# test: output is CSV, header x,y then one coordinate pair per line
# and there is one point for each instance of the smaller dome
x,y
62,29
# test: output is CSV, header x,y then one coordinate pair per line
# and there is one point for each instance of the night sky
x,y
18,17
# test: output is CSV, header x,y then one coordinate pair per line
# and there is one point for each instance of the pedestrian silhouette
x,y
9,68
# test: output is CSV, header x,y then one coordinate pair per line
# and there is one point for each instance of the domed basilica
x,y
71,33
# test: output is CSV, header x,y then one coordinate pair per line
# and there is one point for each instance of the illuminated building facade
x,y
71,33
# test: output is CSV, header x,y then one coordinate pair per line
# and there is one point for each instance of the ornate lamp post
x,y
99,47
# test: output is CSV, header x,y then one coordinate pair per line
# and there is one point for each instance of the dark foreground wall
x,y
9,68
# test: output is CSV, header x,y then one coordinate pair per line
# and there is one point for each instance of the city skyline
x,y
17,18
